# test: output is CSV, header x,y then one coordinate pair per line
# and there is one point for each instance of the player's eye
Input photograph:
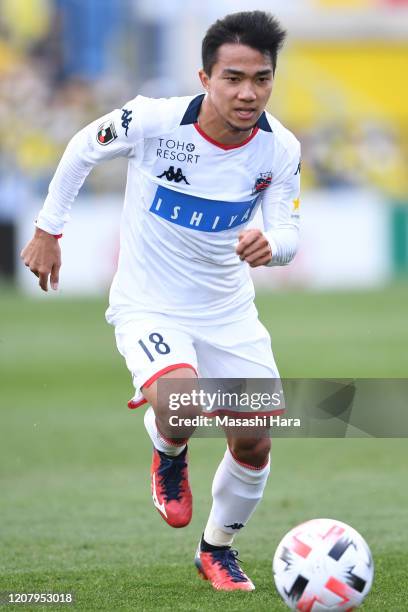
x,y
233,79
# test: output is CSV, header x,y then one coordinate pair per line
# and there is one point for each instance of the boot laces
x,y
172,474
228,560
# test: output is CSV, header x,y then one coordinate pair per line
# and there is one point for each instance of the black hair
x,y
256,29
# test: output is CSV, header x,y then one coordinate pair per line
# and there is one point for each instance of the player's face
x,y
239,86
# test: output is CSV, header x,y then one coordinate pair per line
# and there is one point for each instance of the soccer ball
x,y
323,564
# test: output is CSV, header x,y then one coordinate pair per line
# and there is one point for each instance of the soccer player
x,y
182,298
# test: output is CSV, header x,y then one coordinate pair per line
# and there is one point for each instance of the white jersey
x,y
187,199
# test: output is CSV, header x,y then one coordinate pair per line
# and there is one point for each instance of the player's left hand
x,y
254,248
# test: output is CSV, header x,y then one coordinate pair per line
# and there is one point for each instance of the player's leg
x,y
243,351
170,487
237,489
157,355
165,423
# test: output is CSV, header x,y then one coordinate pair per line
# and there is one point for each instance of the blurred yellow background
x,y
360,89
340,86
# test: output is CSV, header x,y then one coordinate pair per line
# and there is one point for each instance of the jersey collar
x,y
191,117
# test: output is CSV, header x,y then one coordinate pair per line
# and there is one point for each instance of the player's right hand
x,y
43,256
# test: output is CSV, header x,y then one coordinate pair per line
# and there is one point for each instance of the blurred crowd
x,y
57,73
63,63
357,154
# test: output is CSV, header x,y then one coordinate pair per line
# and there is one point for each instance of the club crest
x,y
262,182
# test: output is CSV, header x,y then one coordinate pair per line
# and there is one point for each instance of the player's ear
x,y
204,78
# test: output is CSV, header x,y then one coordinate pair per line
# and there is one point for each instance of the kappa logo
x,y
235,526
177,176
299,168
126,119
106,133
262,182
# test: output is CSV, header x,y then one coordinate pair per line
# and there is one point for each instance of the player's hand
x,y
254,248
43,256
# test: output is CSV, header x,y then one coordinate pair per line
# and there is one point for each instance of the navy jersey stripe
x,y
263,123
191,114
193,109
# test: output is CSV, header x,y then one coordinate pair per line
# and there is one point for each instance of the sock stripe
x,y
180,442
247,465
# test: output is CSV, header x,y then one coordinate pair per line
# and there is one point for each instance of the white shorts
x,y
156,344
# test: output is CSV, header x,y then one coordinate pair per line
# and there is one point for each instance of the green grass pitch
x,y
76,512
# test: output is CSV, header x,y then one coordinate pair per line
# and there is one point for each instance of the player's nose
x,y
247,93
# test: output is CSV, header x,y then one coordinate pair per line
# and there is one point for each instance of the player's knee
x,y
176,404
254,451
175,408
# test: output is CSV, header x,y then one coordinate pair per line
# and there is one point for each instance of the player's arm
x,y
113,135
277,244
280,211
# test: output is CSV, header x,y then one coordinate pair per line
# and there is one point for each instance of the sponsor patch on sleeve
x,y
106,133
